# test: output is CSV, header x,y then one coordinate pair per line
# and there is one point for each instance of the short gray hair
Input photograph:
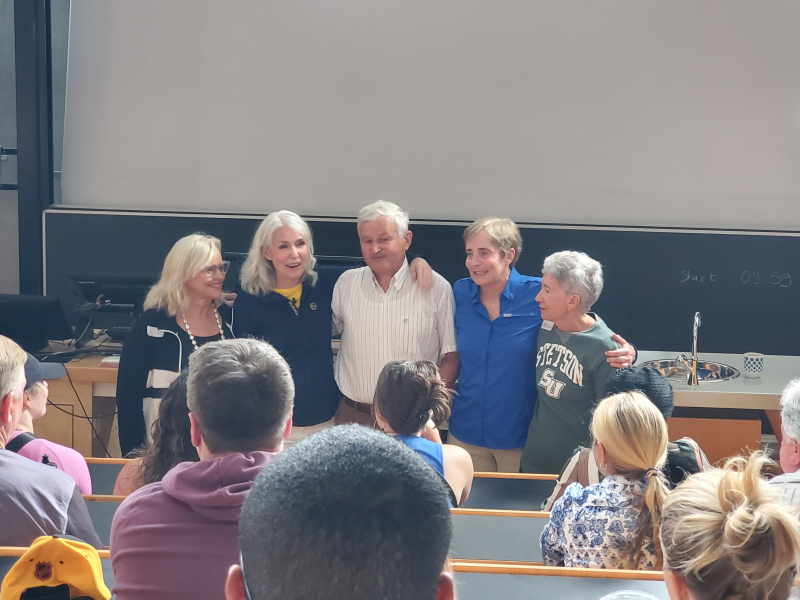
x,y
258,273
389,210
576,273
790,409
241,392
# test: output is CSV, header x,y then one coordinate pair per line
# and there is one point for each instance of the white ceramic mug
x,y
753,364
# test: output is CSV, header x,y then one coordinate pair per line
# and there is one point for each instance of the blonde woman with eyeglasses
x,y
182,311
614,524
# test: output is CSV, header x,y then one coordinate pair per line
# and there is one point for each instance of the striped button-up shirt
x,y
789,486
402,323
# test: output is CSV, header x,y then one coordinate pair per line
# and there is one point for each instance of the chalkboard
x,y
746,285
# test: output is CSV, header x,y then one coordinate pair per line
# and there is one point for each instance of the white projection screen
x,y
630,112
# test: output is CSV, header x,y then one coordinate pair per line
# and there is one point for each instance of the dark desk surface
x,y
509,494
497,538
484,586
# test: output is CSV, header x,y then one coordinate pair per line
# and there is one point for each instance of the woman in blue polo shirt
x,y
497,324
287,302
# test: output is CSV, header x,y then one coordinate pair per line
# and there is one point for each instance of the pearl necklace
x,y
189,330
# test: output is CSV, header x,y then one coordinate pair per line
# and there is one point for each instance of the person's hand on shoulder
x,y
422,273
623,356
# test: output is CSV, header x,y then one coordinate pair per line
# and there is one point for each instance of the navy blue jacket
x,y
303,339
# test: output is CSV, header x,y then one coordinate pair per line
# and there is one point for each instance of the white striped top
x,y
789,484
403,323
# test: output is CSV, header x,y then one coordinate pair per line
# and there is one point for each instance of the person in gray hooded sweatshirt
x,y
176,538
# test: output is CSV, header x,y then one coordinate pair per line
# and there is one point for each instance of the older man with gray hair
x,y
176,538
383,316
789,482
35,499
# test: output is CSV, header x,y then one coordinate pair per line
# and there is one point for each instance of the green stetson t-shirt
x,y
571,376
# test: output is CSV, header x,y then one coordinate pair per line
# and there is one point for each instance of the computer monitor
x,y
32,321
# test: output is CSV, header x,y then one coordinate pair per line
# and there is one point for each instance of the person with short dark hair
x,y
411,401
347,514
176,538
35,499
684,456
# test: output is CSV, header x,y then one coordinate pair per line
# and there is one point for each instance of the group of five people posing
x,y
522,383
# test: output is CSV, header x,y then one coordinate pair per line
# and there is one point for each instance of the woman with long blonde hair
x,y
614,524
726,535
183,311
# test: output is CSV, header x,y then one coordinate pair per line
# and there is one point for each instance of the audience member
x,y
684,456
411,400
35,499
571,366
789,482
726,535
182,311
172,442
383,316
347,514
614,523
177,537
34,406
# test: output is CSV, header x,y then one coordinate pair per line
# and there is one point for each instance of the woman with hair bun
x,y
411,400
726,535
614,524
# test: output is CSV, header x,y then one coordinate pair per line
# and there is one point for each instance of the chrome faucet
x,y
691,364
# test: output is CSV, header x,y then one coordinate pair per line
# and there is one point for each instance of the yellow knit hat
x,y
52,561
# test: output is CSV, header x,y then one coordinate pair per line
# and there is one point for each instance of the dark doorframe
x,y
34,135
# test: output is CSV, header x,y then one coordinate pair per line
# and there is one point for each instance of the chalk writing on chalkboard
x,y
700,278
783,280
775,278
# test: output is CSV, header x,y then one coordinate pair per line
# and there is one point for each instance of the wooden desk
x,y
76,394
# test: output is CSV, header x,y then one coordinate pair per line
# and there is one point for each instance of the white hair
x,y
790,409
389,210
258,273
576,273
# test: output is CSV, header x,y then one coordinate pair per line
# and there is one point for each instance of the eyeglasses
x,y
211,270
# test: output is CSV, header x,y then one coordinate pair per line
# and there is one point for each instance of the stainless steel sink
x,y
706,371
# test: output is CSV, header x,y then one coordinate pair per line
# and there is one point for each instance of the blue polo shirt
x,y
497,381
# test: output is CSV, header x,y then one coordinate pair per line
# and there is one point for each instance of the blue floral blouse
x,y
595,526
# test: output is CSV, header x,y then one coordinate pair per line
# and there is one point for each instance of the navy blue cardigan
x,y
303,339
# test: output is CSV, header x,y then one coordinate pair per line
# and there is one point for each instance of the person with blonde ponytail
x,y
726,535
614,524
182,311
411,401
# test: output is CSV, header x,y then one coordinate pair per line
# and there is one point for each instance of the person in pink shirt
x,y
25,443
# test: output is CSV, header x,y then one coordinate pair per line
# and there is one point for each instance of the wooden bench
x,y
101,510
103,472
477,580
497,535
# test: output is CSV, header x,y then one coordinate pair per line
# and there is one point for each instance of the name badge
x,y
507,315
547,325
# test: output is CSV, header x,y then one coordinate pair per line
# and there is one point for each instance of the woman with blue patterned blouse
x,y
614,524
